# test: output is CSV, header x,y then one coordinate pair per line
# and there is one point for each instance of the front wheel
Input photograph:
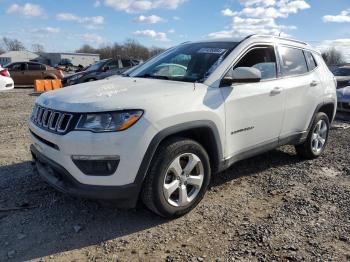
x,y
178,178
317,138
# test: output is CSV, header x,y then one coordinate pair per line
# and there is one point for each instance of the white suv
x,y
163,129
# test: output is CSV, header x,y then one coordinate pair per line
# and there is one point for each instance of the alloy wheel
x,y
183,180
319,136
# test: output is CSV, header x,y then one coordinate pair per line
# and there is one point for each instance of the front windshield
x,y
192,62
96,66
342,71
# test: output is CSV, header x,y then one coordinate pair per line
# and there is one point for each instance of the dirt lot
x,y
272,207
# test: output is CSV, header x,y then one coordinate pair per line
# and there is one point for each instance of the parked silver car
x,y
342,74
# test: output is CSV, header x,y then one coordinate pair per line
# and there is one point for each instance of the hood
x,y
113,94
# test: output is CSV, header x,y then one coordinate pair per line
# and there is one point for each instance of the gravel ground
x,y
272,207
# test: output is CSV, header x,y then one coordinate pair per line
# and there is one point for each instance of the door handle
x,y
314,83
276,91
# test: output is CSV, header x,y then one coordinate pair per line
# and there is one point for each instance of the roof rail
x,y
277,37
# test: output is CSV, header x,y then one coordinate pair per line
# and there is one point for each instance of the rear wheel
x,y
178,178
317,138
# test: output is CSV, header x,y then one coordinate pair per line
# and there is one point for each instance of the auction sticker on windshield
x,y
205,50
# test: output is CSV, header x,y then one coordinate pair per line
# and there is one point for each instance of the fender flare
x,y
170,131
319,106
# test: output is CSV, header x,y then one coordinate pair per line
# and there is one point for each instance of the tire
x,y
162,174
317,138
90,80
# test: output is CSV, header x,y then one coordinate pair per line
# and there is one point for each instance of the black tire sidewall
x,y
179,148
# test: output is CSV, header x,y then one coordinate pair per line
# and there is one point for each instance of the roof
x,y
72,53
16,53
260,37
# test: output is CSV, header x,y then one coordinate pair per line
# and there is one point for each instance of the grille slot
x,y
54,121
63,123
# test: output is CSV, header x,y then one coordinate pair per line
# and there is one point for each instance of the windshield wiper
x,y
155,77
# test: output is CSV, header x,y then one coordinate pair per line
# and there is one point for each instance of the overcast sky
x,y
65,25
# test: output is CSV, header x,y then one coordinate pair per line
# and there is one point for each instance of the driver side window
x,y
17,67
113,65
262,58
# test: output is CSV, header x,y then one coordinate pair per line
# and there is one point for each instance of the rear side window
x,y
34,67
311,62
293,61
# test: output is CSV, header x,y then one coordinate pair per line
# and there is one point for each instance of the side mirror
x,y
242,75
106,68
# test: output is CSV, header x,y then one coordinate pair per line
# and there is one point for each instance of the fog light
x,y
97,165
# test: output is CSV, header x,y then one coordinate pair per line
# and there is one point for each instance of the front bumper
x,y
62,180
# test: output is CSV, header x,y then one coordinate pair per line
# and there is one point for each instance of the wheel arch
x,y
50,76
204,132
90,78
329,110
328,107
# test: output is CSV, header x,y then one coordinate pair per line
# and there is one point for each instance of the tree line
x,y
133,49
128,49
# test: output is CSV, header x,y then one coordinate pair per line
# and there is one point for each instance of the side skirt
x,y
293,139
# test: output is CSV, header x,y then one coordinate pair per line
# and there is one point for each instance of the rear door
x,y
302,87
254,111
34,71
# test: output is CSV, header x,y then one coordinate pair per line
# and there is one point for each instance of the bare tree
x,y
129,49
333,57
38,48
86,49
12,44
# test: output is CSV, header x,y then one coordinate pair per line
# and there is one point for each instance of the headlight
x,y
75,77
107,122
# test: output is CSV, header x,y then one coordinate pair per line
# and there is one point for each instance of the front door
x,y
254,111
17,72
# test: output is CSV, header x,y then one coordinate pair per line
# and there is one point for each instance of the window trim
x,y
246,51
307,62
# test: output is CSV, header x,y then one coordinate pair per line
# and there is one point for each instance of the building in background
x,y
75,59
52,59
18,56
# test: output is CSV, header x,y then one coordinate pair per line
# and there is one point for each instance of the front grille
x,y
52,120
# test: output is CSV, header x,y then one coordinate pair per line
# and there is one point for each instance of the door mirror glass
x,y
242,75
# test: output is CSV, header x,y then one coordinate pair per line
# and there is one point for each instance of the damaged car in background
x,y
342,74
100,70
